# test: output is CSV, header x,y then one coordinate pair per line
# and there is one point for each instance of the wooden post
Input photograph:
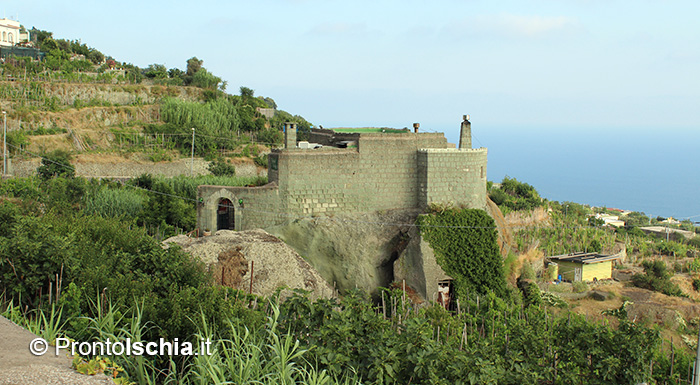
x,y
252,265
383,305
673,356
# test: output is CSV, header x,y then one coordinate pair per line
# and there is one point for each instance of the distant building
x,y
10,33
671,221
578,267
611,220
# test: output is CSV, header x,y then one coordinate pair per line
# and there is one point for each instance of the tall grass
x,y
114,202
262,357
187,186
256,357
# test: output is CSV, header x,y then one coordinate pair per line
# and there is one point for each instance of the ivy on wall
x,y
465,245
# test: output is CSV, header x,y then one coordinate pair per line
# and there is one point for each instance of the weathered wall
x,y
381,174
121,168
418,267
261,206
454,176
385,171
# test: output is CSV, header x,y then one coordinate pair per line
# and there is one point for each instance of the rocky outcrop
x,y
234,257
351,251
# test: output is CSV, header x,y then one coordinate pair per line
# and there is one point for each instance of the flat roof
x,y
585,258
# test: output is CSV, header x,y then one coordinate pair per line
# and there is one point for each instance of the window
x,y
4,36
11,39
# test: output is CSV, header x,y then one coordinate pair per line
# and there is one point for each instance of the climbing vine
x,y
465,245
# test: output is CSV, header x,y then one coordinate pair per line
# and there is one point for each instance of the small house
x,y
577,267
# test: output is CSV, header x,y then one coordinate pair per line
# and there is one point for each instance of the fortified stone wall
x,y
385,171
381,174
319,181
452,176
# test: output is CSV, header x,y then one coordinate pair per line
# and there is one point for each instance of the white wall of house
x,y
9,32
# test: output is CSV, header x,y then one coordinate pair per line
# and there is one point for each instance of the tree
x,y
55,164
205,79
193,66
174,73
246,92
156,71
95,56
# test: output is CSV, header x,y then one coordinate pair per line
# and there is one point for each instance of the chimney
x,y
465,134
415,127
290,135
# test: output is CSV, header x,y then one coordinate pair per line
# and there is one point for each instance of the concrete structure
x,y
10,33
407,170
577,267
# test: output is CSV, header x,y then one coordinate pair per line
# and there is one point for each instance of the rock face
x,y
419,268
351,251
234,256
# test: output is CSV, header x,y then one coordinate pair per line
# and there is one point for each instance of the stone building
x,y
351,173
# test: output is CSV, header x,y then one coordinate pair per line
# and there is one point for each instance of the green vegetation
x,y
70,265
55,164
656,277
222,121
220,167
513,195
465,246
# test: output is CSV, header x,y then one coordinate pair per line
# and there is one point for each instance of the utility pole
x,y
4,143
192,164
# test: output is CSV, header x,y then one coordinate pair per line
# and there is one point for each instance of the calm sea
x,y
656,172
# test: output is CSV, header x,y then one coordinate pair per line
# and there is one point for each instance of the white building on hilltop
x,y
10,33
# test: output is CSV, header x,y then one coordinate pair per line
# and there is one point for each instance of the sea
x,y
654,171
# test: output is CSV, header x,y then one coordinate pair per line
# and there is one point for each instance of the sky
x,y
595,101
512,65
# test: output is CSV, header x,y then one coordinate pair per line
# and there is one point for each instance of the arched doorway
x,y
225,215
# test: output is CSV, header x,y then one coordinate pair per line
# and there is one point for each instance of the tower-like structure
x,y
290,135
465,134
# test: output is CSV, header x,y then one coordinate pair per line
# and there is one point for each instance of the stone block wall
x,y
260,209
452,176
385,171
319,181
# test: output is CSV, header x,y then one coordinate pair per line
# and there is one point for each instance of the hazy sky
x,y
568,64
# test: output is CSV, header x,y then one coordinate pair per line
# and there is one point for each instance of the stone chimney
x,y
415,127
290,135
465,134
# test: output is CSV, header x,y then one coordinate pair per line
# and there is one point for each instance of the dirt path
x,y
19,366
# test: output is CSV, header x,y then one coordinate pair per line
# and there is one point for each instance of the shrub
x,y
515,195
55,164
527,272
261,160
220,167
579,287
657,278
